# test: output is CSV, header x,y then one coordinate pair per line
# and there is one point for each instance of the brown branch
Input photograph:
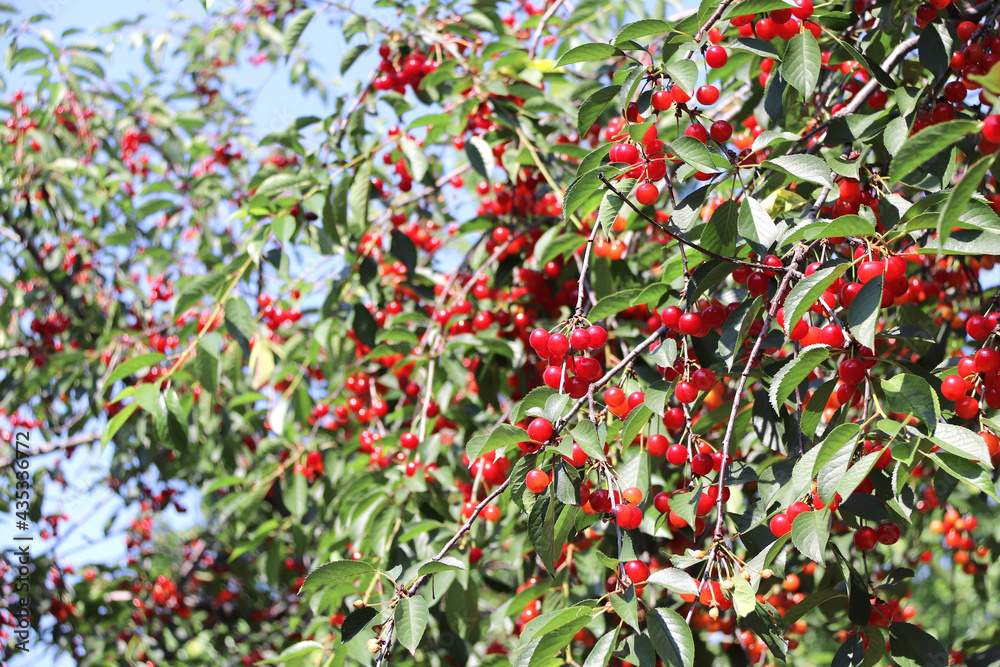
x,y
684,241
541,27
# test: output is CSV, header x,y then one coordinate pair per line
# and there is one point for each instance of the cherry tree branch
x,y
684,241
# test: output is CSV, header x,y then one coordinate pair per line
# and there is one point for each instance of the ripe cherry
x,y
865,538
657,445
636,571
598,336
558,345
953,387
991,128
716,57
579,340
661,100
677,455
614,397
780,525
686,392
707,95
887,533
540,429
646,193
701,464
537,480
721,131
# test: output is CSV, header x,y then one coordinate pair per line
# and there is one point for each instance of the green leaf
x,y
195,289
960,196
294,652
358,197
961,442
744,600
416,157
674,579
357,621
276,183
129,367
719,235
364,325
685,74
914,646
735,329
641,28
402,248
966,471
580,189
801,64
693,152
671,637
750,7
636,420
239,322
863,314
851,653
910,394
811,601
541,531
626,607
803,167
116,422
795,371
502,437
613,304
845,225
586,435
587,52
445,563
755,225
758,47
411,621
925,145
600,654
593,107
811,532
807,292
294,30
335,572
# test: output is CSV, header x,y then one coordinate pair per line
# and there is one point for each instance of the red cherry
x,y
686,392
677,455
721,131
598,336
637,571
991,128
953,387
558,345
540,429
852,371
701,464
716,57
579,340
707,95
657,445
661,100
887,533
865,538
614,397
832,335
647,193
537,480
780,525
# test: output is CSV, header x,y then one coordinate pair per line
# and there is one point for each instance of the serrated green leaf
x,y
926,144
794,371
